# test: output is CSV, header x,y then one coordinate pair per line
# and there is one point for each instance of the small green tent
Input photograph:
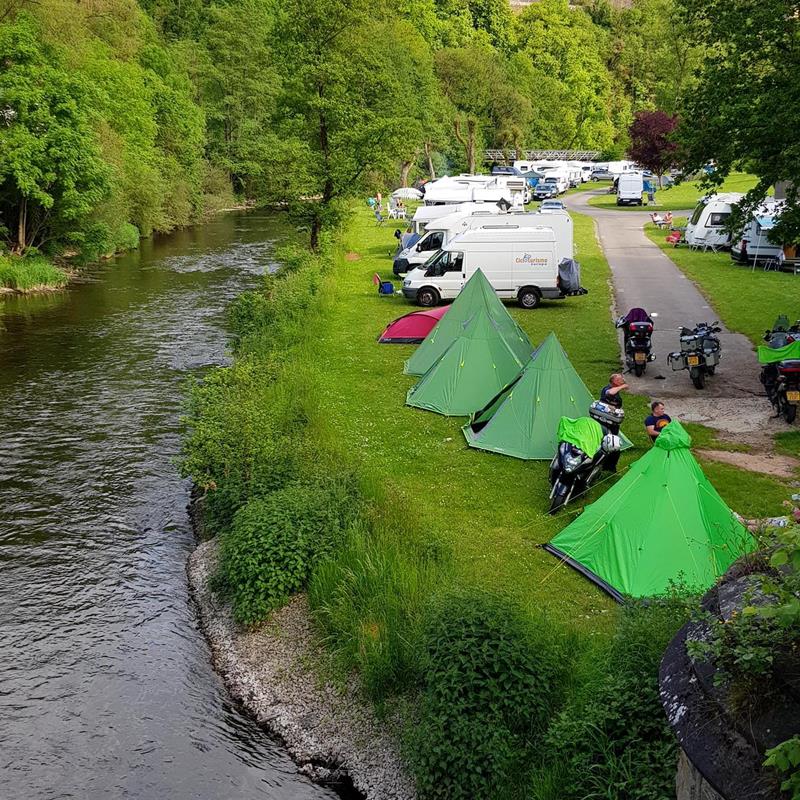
x,y
522,420
662,522
470,371
477,295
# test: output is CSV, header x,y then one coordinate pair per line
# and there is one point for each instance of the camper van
x,y
442,231
707,225
752,244
474,188
629,189
425,215
520,263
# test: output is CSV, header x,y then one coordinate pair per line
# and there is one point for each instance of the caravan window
x,y
718,219
697,212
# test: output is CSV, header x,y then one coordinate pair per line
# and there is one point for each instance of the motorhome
x,y
441,231
707,227
630,186
470,188
521,264
619,167
752,244
425,215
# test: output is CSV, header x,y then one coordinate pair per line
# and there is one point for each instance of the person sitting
x,y
668,219
657,219
657,421
379,218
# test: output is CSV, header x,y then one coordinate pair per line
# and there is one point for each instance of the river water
x,y
106,686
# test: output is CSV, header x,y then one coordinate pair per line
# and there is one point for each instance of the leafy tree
x,y
651,141
51,175
745,106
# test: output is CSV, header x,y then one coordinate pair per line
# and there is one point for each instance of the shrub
x,y
612,740
369,601
30,272
493,680
274,541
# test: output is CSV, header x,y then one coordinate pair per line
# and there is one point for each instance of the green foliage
x,y
369,600
30,272
275,541
612,740
786,759
493,679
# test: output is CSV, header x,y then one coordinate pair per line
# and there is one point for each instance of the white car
x,y
551,207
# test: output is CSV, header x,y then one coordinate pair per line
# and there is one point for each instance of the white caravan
x,y
707,225
441,231
619,167
520,263
630,186
425,215
557,178
471,188
752,244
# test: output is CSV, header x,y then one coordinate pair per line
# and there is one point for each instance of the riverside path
x,y
644,276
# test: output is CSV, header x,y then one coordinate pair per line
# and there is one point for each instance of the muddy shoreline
x,y
331,732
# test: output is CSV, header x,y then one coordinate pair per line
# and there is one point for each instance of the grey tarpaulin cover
x,y
569,273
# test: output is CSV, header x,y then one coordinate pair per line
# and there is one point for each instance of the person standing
x,y
657,421
612,393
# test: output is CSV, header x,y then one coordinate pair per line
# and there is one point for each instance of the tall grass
x,y
25,274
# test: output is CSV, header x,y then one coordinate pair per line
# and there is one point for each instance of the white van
x,y
520,263
752,244
707,225
442,231
629,189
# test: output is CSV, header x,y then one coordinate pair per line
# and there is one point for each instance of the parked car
x,y
544,190
551,207
601,175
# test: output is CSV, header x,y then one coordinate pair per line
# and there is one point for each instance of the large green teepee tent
x,y
522,420
476,296
472,370
663,522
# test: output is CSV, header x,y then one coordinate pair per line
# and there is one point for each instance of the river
x,y
106,685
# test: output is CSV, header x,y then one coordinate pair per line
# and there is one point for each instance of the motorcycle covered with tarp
x,y
780,370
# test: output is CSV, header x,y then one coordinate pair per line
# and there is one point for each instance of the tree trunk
x,y
404,170
22,225
428,156
465,143
316,227
471,126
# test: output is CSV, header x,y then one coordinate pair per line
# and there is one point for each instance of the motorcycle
x,y
572,470
781,379
700,352
637,330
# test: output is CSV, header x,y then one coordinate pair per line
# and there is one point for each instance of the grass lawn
x,y
677,198
748,300
491,509
30,274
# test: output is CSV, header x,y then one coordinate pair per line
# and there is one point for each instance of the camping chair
x,y
385,288
771,264
674,238
379,218
657,219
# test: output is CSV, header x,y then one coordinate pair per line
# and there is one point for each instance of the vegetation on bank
x,y
418,553
680,197
31,273
747,299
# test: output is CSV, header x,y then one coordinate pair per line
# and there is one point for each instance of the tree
x,y
745,107
51,174
651,141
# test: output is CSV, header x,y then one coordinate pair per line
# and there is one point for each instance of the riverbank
x,y
275,671
30,275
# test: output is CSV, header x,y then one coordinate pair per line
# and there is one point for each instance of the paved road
x,y
644,276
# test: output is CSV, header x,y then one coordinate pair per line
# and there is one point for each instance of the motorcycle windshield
x,y
583,432
771,355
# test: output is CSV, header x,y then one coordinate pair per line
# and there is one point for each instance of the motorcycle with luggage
x,y
637,332
584,448
781,375
700,352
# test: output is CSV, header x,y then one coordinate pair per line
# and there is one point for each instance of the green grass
x,y
29,274
747,300
678,198
704,438
490,509
788,443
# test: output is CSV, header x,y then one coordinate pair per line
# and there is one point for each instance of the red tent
x,y
412,328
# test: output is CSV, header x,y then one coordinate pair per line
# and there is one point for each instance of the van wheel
x,y
428,297
528,298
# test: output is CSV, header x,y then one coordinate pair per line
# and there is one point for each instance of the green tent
x,y
662,522
470,371
476,296
523,419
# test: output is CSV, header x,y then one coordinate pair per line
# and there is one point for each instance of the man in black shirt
x,y
611,394
657,420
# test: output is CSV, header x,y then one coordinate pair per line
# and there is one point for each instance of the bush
x,y
274,541
369,600
613,740
30,272
493,681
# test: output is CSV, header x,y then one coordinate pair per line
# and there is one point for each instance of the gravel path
x,y
331,732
